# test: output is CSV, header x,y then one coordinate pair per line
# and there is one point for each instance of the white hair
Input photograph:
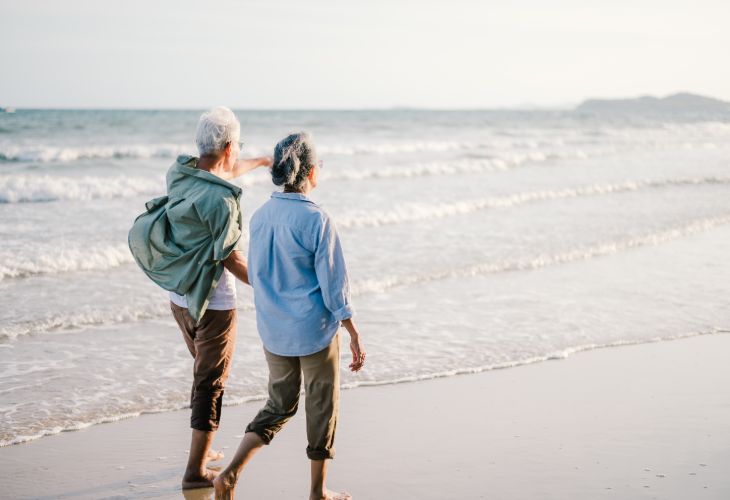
x,y
216,128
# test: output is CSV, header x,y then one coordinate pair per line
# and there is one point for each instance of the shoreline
x,y
557,355
645,420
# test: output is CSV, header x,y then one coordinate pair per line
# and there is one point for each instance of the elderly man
x,y
186,243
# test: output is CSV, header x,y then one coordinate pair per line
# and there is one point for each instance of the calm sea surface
x,y
474,240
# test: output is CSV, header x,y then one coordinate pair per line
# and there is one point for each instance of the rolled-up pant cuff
x,y
265,434
320,454
206,411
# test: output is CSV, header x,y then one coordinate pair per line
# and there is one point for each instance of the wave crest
x,y
49,154
413,212
46,188
541,261
43,188
60,260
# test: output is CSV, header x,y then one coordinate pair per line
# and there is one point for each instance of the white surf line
x,y
439,168
50,260
44,153
364,287
44,188
557,355
157,308
413,212
29,188
41,153
541,261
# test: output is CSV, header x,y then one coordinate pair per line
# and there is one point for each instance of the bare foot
x,y
331,495
193,481
225,485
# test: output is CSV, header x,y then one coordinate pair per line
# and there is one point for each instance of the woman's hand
x,y
358,353
356,346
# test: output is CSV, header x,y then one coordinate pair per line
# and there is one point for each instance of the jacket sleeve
x,y
224,222
329,264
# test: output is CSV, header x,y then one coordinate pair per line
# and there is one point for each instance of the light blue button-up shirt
x,y
298,274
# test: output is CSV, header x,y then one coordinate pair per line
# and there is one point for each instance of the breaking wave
x,y
44,188
58,260
49,154
412,212
541,261
151,310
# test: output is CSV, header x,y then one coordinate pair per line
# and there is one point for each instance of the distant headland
x,y
683,103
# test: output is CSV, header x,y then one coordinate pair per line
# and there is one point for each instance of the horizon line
x,y
244,108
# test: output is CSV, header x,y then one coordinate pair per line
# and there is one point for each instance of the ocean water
x,y
475,240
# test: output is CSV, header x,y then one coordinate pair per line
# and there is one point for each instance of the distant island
x,y
683,103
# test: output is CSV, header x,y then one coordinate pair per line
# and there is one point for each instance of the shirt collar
x,y
292,196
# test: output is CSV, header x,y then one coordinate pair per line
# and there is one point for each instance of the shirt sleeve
x,y
225,224
329,264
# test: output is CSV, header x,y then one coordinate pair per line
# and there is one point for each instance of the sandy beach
x,y
643,421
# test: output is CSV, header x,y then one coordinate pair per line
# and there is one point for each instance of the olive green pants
x,y
321,375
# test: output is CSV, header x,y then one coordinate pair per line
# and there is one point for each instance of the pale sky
x,y
365,54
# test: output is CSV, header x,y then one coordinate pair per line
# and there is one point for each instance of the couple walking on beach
x,y
186,242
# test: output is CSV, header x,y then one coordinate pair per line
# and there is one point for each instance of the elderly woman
x,y
186,243
301,292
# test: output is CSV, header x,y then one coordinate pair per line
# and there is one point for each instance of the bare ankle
x,y
230,477
318,493
195,473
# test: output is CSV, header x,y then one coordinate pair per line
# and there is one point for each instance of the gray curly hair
x,y
294,157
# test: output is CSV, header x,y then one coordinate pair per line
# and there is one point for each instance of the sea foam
x,y
43,188
544,260
413,212
63,259
99,316
30,188
49,154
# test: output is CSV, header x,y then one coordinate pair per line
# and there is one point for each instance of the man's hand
x,y
356,346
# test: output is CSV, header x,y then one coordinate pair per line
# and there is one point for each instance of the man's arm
x,y
244,166
236,263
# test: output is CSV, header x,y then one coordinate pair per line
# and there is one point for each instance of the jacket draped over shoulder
x,y
181,239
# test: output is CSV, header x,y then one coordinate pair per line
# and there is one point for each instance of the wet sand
x,y
644,421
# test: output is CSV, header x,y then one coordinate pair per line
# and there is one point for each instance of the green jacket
x,y
182,238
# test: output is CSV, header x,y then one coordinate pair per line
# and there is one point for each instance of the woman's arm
x,y
329,265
